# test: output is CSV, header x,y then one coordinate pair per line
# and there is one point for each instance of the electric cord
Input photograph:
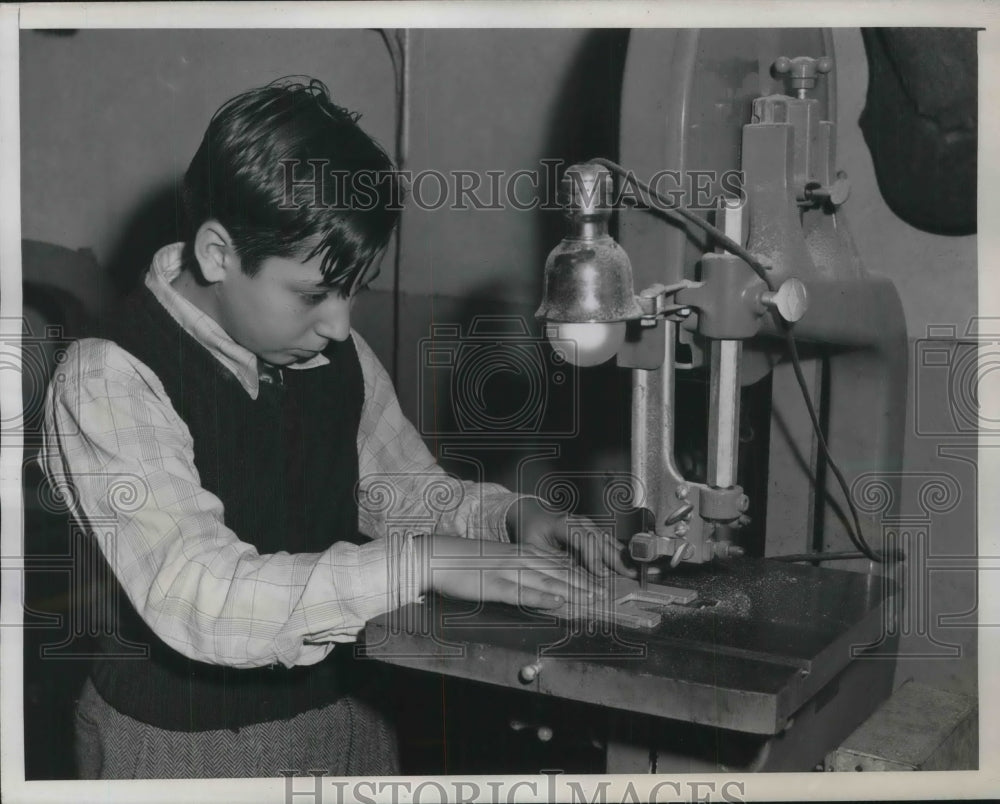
x,y
842,555
721,238
397,42
686,215
856,535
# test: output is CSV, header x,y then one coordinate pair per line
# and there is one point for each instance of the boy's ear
x,y
213,248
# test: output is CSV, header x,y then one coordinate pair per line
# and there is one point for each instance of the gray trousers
x,y
346,738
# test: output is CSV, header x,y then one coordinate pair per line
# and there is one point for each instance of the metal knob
x,y
642,547
544,733
804,71
791,300
835,194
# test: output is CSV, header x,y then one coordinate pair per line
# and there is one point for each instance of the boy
x,y
265,456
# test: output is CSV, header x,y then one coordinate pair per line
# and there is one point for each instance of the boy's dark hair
x,y
288,173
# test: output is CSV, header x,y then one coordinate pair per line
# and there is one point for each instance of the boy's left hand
x,y
594,547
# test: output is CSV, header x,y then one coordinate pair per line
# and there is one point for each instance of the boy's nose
x,y
335,322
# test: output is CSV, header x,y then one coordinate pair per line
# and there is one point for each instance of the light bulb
x,y
587,344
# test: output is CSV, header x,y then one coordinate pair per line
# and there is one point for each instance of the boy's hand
x,y
474,569
595,548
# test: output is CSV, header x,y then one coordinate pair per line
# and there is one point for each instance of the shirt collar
x,y
165,268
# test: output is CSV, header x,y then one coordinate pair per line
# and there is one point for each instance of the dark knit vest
x,y
285,467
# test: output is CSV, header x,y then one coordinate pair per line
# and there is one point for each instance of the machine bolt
x,y
743,503
727,550
544,733
684,551
530,672
681,492
679,513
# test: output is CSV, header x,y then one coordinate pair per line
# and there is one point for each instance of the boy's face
x,y
283,314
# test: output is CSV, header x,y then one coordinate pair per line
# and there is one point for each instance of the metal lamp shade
x,y
588,281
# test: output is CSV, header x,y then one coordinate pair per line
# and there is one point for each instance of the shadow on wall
x,y
565,432
156,221
55,646
584,122
515,411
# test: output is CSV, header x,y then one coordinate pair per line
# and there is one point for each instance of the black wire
x,y
670,210
843,555
396,44
858,542
830,556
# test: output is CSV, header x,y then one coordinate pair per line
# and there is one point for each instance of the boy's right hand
x,y
475,569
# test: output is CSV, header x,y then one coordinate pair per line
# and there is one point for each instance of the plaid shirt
x,y
108,420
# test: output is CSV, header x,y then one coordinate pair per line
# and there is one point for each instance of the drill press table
x,y
762,640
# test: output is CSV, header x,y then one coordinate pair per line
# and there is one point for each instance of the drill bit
x,y
643,576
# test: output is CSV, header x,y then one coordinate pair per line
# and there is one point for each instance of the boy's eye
x,y
316,298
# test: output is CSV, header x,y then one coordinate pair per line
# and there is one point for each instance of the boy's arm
x,y
401,483
402,489
110,428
